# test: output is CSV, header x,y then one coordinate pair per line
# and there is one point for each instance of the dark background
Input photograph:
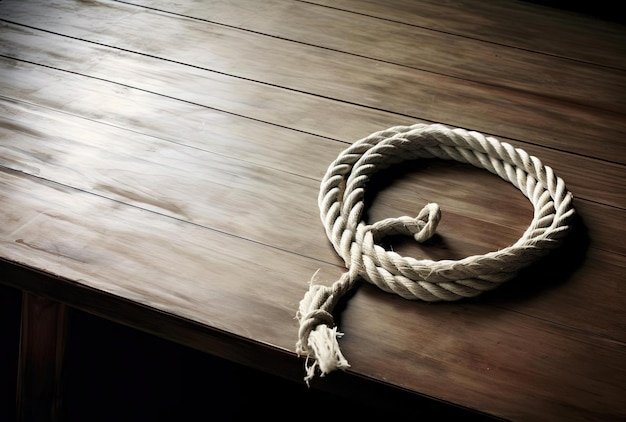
x,y
116,373
602,9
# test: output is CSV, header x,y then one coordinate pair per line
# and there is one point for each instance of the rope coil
x,y
341,203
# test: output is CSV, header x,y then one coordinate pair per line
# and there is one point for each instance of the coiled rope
x,y
341,202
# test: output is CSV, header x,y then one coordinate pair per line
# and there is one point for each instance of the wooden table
x,y
160,163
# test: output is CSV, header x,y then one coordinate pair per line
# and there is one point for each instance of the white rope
x,y
341,206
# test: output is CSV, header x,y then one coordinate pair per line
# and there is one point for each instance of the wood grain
x,y
416,47
220,273
329,74
216,130
189,184
516,24
167,179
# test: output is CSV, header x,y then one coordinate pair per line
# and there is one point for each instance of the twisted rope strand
x,y
341,203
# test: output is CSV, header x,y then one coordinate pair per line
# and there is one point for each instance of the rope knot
x,y
422,227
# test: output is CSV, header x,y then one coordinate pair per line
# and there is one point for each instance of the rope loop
x,y
341,203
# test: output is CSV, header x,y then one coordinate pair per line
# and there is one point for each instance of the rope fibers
x,y
341,203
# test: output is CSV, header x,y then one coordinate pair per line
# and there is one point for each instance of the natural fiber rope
x,y
341,202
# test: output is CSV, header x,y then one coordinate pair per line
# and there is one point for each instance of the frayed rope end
x,y
317,340
326,352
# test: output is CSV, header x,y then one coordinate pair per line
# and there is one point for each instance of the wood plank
x,y
562,281
225,201
517,24
510,367
329,74
281,107
217,131
161,262
170,176
183,270
461,215
188,184
416,47
182,123
226,133
193,185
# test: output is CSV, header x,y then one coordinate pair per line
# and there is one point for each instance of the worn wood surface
x,y
159,158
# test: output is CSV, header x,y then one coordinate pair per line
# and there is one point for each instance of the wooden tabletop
x,y
160,163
